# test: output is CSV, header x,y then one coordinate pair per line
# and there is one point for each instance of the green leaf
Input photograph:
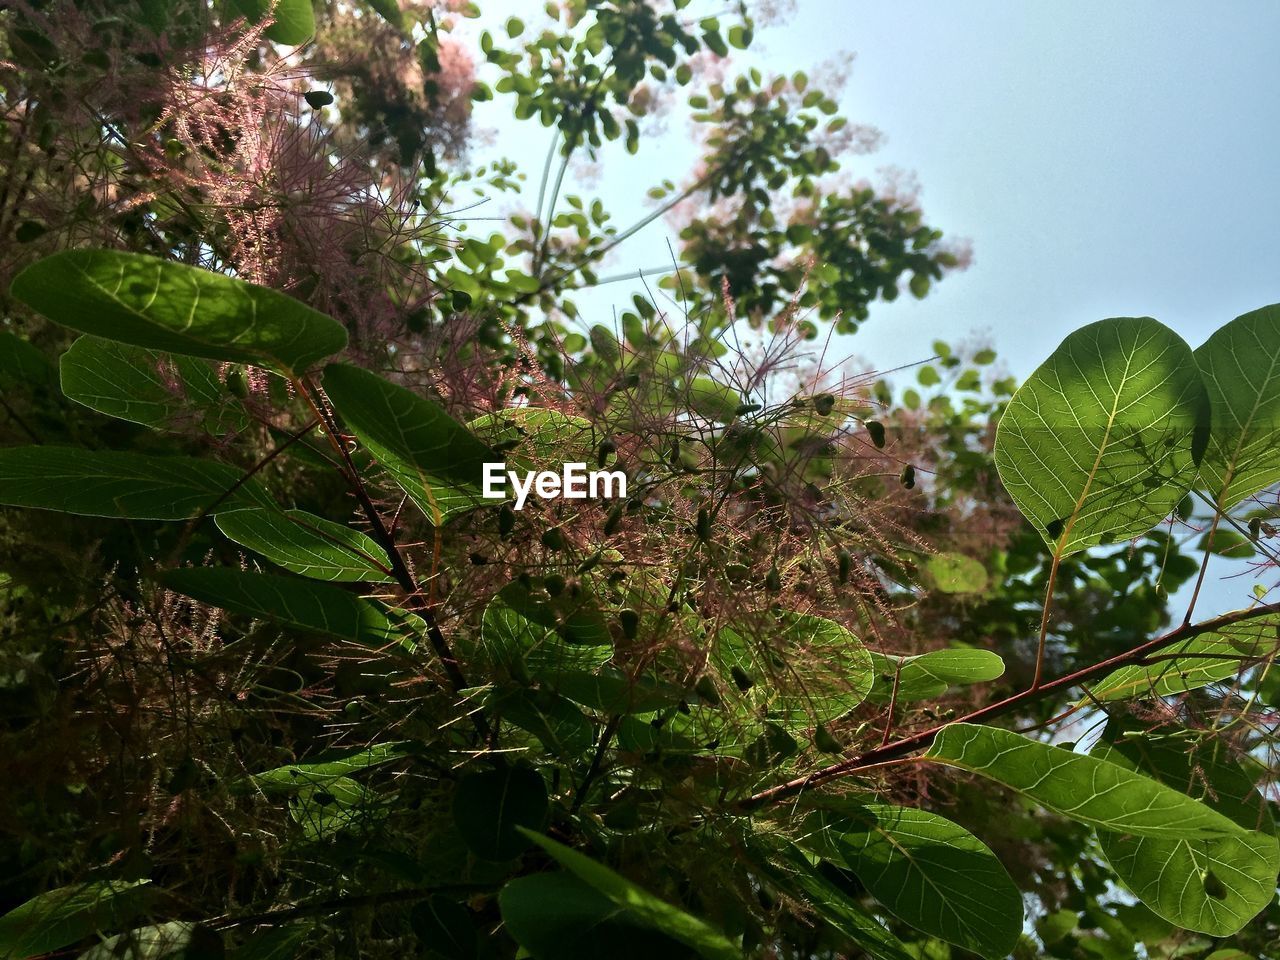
x,y
389,10
433,458
927,871
562,728
148,387
314,607
1213,886
1227,543
534,438
644,906
175,940
1083,788
293,21
927,675
1099,443
160,305
21,362
609,690
316,773
1186,665
956,573
135,486
1240,366
64,916
518,644
796,876
445,928
491,807
309,545
556,916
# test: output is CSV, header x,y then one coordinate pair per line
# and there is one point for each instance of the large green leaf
x,y
1101,794
793,872
557,916
167,306
536,438
522,642
1240,366
639,903
1187,665
107,483
927,871
435,459
315,607
1214,886
494,809
66,915
148,387
1099,443
309,545
292,21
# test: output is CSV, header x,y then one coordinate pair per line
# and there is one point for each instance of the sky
x,y
1104,159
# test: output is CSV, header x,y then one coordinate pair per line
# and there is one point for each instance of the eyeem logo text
x,y
574,483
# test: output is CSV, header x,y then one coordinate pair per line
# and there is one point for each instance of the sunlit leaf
x,y
66,915
1215,885
1101,794
435,459
172,307
927,871
107,483
308,545
1240,366
1099,443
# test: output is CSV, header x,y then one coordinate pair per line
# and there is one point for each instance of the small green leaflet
x,y
153,303
1101,794
928,675
640,904
294,776
148,387
434,459
61,917
309,545
1213,886
1240,366
927,871
315,607
134,486
1099,444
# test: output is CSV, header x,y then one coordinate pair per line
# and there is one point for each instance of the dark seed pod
x,y
704,524
1255,528
630,621
553,539
844,564
823,404
554,584
613,520
506,520
740,678
607,449
705,688
875,430
746,408
237,385
909,476
317,98
590,563
773,580
478,559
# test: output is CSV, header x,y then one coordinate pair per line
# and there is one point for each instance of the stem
x,y
922,740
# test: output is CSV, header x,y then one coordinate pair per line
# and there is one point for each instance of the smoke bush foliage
x,y
278,681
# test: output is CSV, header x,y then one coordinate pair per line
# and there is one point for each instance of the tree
x,y
290,684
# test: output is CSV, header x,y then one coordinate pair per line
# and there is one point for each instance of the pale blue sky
x,y
1106,159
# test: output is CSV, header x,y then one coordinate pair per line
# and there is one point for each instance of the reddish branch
x,y
920,741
